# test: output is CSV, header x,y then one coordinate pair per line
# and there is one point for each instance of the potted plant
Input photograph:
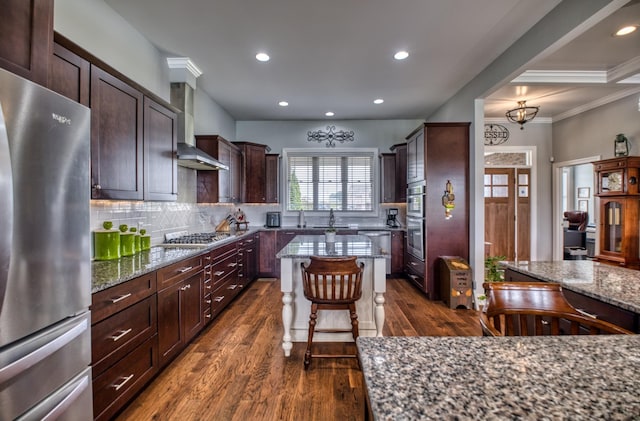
x,y
492,273
330,233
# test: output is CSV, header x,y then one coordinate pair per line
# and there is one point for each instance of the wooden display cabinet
x,y
619,208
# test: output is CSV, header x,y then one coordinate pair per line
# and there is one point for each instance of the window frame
x,y
318,152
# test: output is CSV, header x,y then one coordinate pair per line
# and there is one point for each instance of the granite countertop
x,y
303,246
108,273
338,228
529,378
611,284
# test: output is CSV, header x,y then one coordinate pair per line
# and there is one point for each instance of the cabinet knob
x,y
97,187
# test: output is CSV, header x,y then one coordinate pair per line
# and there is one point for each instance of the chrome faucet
x,y
332,218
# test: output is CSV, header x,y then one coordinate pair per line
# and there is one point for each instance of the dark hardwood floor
x,y
236,369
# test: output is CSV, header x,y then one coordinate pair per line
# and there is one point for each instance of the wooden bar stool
x,y
534,309
331,283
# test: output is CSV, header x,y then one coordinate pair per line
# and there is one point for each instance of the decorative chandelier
x,y
522,114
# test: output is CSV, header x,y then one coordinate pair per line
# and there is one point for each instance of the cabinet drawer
x,y
605,311
176,272
113,338
223,296
223,270
110,301
223,252
414,265
115,387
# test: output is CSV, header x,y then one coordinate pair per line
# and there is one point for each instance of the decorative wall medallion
x,y
330,136
495,134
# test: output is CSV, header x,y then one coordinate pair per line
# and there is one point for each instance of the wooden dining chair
x,y
331,283
534,309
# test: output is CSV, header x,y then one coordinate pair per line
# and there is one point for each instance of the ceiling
x,y
335,55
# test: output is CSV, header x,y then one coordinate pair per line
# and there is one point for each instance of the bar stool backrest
x,y
332,280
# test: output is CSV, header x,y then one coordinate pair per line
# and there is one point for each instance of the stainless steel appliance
x,y
273,220
183,239
45,273
415,237
381,241
415,199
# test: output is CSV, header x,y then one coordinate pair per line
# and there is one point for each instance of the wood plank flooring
x,y
236,370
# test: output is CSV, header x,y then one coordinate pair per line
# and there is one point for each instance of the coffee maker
x,y
392,218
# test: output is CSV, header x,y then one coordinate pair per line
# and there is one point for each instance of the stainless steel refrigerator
x,y
45,273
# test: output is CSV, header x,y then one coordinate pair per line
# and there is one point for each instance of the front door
x,y
507,212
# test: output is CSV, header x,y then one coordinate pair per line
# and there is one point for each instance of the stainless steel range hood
x,y
192,157
188,155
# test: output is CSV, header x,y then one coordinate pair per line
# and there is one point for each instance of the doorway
x,y
507,212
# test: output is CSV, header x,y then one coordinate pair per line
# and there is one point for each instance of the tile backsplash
x,y
159,218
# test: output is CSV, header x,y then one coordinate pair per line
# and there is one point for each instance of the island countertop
x,y
315,245
611,284
529,378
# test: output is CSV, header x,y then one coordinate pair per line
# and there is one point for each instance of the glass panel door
x,y
612,227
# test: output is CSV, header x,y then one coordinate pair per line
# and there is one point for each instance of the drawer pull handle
x,y
232,265
218,299
250,251
208,301
219,273
414,277
121,335
234,286
185,269
414,264
249,241
186,287
208,287
120,298
208,316
586,313
124,381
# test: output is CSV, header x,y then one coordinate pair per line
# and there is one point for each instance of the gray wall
x,y
593,132
379,134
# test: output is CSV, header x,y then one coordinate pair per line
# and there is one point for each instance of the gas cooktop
x,y
201,239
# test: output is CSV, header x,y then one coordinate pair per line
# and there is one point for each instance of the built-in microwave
x,y
415,237
415,200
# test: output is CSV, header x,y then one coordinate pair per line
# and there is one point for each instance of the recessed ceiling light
x,y
378,101
401,55
329,114
283,103
626,30
262,57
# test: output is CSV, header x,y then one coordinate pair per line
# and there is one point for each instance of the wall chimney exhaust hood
x,y
192,157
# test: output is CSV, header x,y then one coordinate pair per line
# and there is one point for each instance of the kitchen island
x,y
296,308
542,377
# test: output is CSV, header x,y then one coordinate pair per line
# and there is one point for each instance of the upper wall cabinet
x,y
160,144
69,75
116,138
271,173
26,38
400,151
254,176
219,186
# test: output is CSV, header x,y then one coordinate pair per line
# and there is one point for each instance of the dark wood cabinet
x,y
247,255
267,259
124,343
222,186
253,172
116,138
388,178
26,38
400,151
271,177
397,252
69,74
180,314
618,199
160,154
438,153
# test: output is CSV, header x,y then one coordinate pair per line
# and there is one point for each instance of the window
x,y
318,180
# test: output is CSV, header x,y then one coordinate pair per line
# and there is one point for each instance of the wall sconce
x,y
448,200
621,145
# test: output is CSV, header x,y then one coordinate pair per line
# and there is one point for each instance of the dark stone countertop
x,y
610,284
505,378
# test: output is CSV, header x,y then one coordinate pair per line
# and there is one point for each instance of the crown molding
x,y
597,103
184,63
562,76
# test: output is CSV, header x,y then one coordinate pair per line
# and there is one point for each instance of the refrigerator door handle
x,y
68,400
6,207
24,363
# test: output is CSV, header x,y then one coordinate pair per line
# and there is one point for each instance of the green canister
x,y
136,239
127,241
106,242
145,240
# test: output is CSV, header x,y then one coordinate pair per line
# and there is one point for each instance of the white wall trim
x,y
557,250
